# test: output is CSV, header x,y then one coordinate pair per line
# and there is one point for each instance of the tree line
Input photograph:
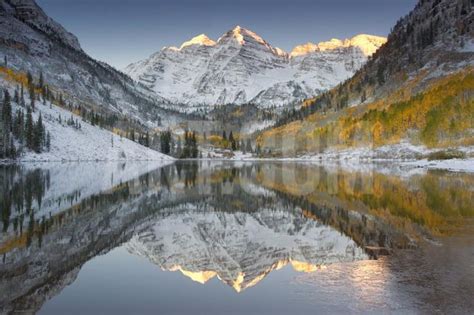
x,y
19,130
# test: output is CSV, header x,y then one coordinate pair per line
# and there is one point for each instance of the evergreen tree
x,y
12,152
233,144
165,142
147,140
7,111
22,96
29,79
194,146
18,126
249,146
16,97
32,97
38,135
29,129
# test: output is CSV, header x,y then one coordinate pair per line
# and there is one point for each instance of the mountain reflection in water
x,y
238,223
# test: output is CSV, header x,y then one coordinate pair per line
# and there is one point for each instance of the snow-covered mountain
x,y
32,42
241,67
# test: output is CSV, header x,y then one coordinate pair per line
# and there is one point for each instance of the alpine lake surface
x,y
215,237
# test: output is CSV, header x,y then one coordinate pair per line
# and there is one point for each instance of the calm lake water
x,y
235,238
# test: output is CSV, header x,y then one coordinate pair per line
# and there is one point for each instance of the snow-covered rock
x,y
33,42
241,67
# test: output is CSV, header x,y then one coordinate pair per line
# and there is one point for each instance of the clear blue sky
x,y
123,31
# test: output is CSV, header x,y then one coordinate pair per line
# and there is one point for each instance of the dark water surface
x,y
235,238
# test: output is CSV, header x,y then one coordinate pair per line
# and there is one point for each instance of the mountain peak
x,y
27,11
242,36
201,40
368,44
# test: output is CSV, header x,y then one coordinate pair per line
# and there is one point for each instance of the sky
x,y
120,32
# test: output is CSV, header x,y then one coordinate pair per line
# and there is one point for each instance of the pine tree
x,y
165,142
29,129
194,146
12,153
29,79
16,97
18,126
147,140
233,144
32,97
249,146
38,135
22,95
7,111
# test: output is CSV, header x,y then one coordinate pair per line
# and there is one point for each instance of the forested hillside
x,y
417,87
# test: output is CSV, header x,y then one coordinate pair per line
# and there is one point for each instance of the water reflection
x,y
233,222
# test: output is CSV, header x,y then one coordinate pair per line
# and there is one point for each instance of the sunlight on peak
x,y
202,40
368,44
239,33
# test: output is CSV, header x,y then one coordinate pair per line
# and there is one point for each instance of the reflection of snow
x,y
255,190
240,248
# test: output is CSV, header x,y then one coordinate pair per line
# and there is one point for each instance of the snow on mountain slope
x,y
32,42
89,143
29,12
241,67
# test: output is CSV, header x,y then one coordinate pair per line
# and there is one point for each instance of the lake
x,y
235,238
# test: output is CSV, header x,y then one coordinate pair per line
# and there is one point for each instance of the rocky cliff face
x,y
33,42
241,67
30,13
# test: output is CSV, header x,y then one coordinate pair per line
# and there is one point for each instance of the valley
x,y
404,97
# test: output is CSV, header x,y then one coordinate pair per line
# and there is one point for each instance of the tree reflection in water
x,y
235,221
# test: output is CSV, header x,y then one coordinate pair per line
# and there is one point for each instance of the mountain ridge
x,y
241,67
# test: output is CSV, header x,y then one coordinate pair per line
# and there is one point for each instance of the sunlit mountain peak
x,y
201,40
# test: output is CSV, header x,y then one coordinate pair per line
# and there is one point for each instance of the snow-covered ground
x,y
455,165
404,154
89,143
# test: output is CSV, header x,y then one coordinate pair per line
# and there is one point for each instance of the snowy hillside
x,y
241,67
33,42
87,143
